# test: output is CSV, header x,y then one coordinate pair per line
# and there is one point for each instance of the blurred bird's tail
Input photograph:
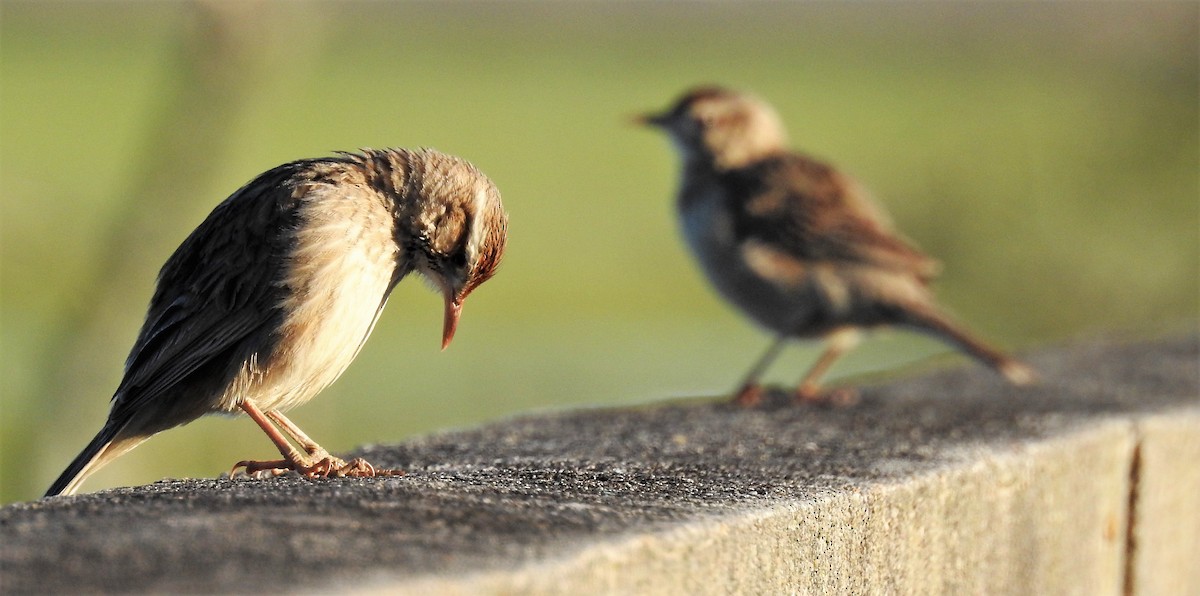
x,y
106,446
927,319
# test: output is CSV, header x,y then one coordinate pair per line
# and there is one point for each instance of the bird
x,y
796,244
272,296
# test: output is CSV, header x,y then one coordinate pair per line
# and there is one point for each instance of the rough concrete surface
x,y
950,483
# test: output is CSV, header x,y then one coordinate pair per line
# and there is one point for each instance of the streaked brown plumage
x,y
269,300
797,245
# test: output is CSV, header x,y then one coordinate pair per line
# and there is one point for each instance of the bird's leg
x,y
749,393
318,462
292,459
323,463
296,434
809,390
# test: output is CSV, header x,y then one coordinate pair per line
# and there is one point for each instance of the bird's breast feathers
x,y
768,285
341,267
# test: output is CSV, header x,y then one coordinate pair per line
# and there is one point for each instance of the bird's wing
x,y
217,297
809,210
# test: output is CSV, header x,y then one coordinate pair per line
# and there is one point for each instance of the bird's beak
x,y
450,322
649,119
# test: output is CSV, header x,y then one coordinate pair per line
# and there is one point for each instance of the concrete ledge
x,y
950,483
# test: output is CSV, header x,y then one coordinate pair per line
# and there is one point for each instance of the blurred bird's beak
x,y
450,322
649,119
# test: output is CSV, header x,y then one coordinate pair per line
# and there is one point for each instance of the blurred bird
x,y
269,300
795,244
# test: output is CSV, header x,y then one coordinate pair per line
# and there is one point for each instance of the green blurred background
x,y
1047,153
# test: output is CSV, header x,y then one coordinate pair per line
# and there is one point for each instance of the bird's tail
x,y
106,446
930,320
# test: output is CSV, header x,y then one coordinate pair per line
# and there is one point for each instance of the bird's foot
x,y
842,397
321,466
748,396
339,468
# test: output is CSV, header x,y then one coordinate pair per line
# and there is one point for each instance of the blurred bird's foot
x,y
842,397
748,396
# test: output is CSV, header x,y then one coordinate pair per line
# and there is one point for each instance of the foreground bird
x,y
269,300
794,243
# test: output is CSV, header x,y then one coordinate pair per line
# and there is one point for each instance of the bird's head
x,y
721,126
460,228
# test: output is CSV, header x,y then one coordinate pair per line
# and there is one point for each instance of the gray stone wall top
x,y
478,508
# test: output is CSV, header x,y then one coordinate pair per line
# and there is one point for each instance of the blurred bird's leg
x,y
749,392
839,342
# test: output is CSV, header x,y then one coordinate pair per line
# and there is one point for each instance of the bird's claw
x,y
253,468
